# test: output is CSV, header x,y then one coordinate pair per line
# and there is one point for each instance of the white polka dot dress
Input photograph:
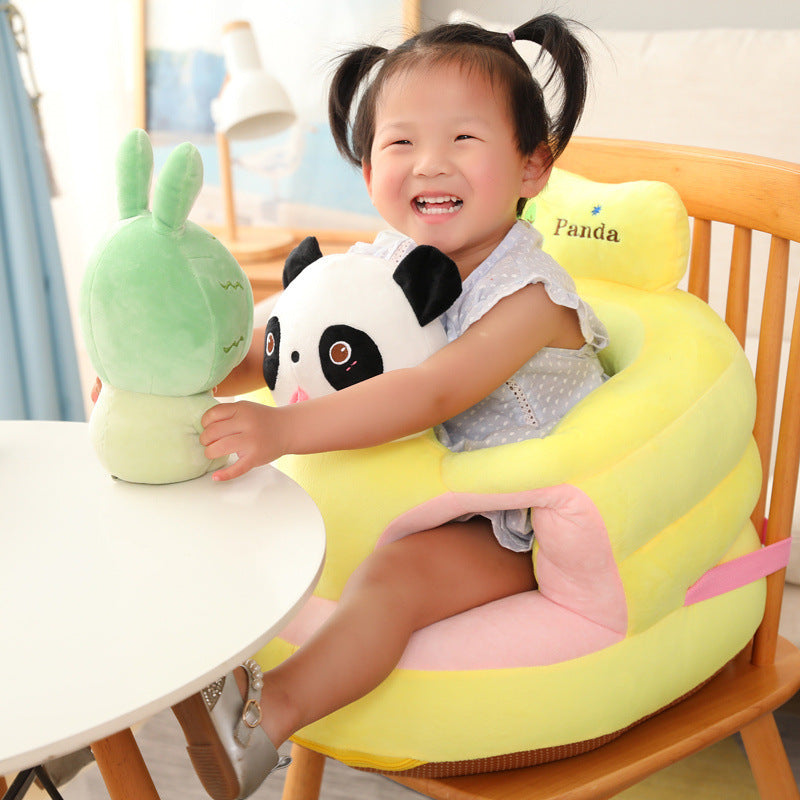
x,y
533,400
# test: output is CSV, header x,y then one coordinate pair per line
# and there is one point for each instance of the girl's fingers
x,y
232,429
231,471
211,433
215,429
221,446
217,413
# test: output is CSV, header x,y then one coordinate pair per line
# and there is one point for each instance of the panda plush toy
x,y
347,317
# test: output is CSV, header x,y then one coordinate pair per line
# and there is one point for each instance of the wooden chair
x,y
750,194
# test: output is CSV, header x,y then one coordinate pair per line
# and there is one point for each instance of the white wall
x,y
632,14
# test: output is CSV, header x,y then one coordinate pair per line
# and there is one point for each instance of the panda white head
x,y
347,317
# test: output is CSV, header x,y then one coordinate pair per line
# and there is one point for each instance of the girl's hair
x,y
472,47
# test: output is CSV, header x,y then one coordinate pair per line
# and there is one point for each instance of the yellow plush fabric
x,y
656,468
634,233
418,717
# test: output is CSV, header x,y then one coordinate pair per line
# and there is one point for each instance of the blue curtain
x,y
38,365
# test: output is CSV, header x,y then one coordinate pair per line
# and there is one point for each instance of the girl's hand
x,y
250,430
98,385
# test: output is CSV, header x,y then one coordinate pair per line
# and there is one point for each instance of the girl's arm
x,y
400,402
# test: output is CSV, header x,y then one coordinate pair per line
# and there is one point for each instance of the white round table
x,y
118,599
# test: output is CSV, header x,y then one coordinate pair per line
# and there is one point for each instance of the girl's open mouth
x,y
444,204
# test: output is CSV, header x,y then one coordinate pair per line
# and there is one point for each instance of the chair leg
x,y
304,776
768,761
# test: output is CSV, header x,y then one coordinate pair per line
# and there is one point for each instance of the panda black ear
x,y
307,252
429,280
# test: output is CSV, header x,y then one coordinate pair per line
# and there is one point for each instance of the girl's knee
x,y
387,569
395,578
430,575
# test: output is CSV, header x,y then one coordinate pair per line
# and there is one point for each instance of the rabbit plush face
x,y
347,317
165,308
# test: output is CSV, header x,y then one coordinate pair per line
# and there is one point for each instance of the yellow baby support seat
x,y
642,489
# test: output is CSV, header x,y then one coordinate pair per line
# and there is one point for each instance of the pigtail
x,y
570,60
354,67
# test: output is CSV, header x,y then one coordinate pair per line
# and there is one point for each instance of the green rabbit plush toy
x,y
166,314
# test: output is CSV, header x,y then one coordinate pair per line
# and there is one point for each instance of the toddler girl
x,y
452,134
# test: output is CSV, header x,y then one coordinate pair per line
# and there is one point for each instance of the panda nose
x,y
295,356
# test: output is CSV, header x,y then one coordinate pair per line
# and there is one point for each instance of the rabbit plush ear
x,y
177,188
134,173
429,280
307,252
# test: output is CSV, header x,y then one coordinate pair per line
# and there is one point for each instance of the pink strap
x,y
740,571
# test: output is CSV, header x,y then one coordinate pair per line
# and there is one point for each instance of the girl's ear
x,y
366,171
536,171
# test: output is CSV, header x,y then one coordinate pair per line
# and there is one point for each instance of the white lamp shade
x,y
252,104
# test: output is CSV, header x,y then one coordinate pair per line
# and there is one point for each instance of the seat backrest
x,y
749,194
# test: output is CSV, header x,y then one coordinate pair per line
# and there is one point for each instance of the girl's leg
x,y
400,588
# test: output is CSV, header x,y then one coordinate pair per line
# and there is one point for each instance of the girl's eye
x,y
340,352
402,141
462,137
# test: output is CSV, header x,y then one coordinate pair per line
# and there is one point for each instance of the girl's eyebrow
x,y
393,129
403,123
392,125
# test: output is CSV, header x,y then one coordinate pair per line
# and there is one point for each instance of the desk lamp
x,y
251,105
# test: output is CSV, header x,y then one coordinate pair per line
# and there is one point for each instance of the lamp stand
x,y
248,245
226,181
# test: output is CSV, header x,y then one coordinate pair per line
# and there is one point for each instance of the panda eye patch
x,y
348,355
340,352
272,343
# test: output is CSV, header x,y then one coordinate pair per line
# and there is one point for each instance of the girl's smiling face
x,y
444,167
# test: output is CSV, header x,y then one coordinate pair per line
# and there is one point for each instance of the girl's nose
x,y
431,162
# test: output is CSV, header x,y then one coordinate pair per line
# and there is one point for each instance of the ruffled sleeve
x,y
516,262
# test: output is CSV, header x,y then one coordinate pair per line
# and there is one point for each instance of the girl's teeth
x,y
446,204
450,210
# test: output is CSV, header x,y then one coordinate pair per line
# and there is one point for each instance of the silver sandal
x,y
228,748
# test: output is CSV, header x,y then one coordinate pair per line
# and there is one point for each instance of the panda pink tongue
x,y
298,396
